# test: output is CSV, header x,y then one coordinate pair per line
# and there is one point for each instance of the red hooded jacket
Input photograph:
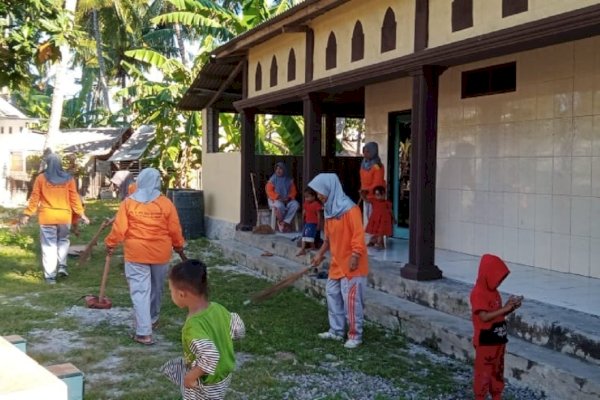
x,y
486,297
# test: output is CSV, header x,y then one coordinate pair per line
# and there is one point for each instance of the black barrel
x,y
190,207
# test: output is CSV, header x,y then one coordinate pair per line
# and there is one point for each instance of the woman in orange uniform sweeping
x,y
148,224
349,267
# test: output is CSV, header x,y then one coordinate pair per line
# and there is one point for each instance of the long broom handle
x,y
104,278
86,253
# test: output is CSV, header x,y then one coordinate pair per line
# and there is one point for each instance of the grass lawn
x,y
281,356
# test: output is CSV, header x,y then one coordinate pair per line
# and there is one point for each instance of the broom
x,y
87,252
279,286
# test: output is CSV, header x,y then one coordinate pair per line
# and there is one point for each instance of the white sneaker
x,y
352,343
330,336
62,271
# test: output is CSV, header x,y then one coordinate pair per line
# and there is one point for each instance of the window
x,y
331,52
10,129
16,162
291,73
273,80
21,129
490,80
462,14
258,78
512,7
2,130
358,42
388,31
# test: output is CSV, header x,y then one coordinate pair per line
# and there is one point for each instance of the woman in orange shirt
x,y
281,193
148,224
54,197
372,174
349,267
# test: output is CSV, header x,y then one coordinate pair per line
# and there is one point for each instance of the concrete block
x,y
70,375
18,341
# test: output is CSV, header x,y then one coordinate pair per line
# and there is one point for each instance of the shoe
x,y
352,343
51,281
330,336
62,271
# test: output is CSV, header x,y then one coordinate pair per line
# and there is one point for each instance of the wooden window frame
x,y
490,72
462,15
513,7
291,72
331,52
273,72
258,78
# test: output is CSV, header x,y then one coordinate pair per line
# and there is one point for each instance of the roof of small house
x,y
8,111
91,142
135,146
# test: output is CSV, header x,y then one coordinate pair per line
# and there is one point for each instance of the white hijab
x,y
148,186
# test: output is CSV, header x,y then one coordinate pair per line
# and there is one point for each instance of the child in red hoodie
x,y
490,335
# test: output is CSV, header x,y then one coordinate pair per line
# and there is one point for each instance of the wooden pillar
x,y
421,262
247,211
212,130
330,126
312,163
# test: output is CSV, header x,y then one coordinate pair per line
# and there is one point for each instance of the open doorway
x,y
399,170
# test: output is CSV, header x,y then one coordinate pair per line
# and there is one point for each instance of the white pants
x,y
146,284
345,306
55,247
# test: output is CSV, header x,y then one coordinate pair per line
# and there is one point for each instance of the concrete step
x,y
558,375
556,328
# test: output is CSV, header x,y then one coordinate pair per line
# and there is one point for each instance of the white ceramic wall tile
x,y
543,250
595,217
563,98
454,204
481,207
561,214
543,213
525,138
442,206
496,175
596,130
467,173
595,257
472,113
544,135
495,209
510,248
482,174
523,106
583,96
526,246
510,146
561,255
545,100
526,211
543,175
467,237
467,206
495,240
582,136
527,173
596,95
581,208
561,176
596,176
562,131
580,255
480,240
581,176
511,174
511,210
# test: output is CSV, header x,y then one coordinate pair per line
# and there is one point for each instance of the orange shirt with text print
x,y
346,235
149,231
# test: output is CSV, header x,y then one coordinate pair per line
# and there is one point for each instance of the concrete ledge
x,y
18,341
568,331
558,375
71,376
218,229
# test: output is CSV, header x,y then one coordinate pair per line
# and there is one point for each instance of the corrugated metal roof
x,y
8,111
135,146
207,84
92,142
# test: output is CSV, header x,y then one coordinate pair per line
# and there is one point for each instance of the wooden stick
x,y
279,286
87,252
104,278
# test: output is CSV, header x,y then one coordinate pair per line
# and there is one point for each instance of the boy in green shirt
x,y
208,360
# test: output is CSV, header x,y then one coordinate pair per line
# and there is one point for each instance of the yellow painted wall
x,y
380,100
280,47
487,17
221,185
371,14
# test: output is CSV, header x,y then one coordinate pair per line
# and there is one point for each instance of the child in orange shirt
x,y
312,220
380,221
489,327
349,267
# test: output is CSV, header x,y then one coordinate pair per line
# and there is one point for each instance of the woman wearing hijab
x,y
371,176
54,197
282,192
148,224
349,266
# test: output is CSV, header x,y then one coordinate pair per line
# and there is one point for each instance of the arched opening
x,y
291,72
358,42
331,52
273,80
258,78
388,31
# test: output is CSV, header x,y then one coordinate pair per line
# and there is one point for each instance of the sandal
x,y
145,340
